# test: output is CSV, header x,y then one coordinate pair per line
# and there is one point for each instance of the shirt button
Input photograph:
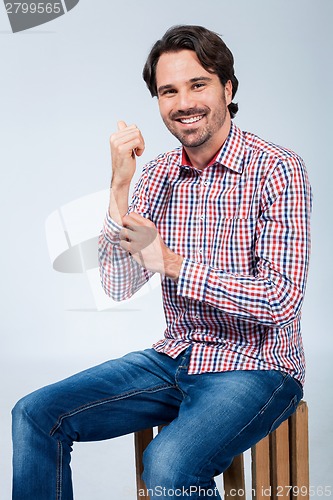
x,y
201,250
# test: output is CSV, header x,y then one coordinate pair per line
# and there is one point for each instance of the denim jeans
x,y
214,416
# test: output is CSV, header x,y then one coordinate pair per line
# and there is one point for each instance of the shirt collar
x,y
230,155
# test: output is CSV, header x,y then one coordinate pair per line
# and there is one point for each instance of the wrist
x,y
120,186
118,202
172,265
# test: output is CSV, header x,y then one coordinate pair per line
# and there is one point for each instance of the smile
x,y
193,119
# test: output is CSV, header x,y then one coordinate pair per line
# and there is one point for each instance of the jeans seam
x,y
292,403
59,472
183,366
101,402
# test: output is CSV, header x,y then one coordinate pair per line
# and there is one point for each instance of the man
x,y
224,219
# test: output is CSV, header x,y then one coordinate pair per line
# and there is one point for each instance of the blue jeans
x,y
213,416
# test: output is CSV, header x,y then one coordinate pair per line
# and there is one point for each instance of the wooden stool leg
x,y
280,466
299,453
141,441
280,461
233,479
261,480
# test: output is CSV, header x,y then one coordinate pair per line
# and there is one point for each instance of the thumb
x,y
121,125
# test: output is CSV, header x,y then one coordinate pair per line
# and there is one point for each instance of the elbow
x,y
287,310
116,297
115,294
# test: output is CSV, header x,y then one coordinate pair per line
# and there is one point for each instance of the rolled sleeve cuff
x,y
193,280
111,230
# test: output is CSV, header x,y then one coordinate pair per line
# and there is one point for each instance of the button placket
x,y
201,216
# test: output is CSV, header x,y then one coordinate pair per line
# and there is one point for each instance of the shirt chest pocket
x,y
233,246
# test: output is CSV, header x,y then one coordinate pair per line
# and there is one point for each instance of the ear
x,y
228,92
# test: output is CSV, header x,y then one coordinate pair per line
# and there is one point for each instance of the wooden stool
x,y
280,463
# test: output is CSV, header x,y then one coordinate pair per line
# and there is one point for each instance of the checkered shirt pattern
x,y
242,226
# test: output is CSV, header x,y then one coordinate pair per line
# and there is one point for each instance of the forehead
x,y
174,68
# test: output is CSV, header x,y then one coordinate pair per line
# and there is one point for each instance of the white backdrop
x,y
64,85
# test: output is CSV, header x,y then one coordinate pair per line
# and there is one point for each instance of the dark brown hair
x,y
210,49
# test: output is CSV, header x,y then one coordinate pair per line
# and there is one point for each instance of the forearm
x,y
120,275
266,298
118,201
172,265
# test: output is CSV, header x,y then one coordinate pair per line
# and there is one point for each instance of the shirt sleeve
x,y
274,294
121,275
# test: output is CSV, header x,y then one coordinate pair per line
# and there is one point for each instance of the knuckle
x,y
114,136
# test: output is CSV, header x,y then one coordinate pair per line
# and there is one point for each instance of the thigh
x,y
222,415
115,398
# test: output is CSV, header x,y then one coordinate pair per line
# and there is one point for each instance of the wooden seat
x,y
279,463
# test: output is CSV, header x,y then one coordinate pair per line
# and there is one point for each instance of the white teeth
x,y
191,120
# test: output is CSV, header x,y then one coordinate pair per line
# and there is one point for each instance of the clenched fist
x,y
126,144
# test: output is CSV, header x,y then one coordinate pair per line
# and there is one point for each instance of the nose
x,y
185,100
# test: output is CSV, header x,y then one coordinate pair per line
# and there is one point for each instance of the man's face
x,y
193,102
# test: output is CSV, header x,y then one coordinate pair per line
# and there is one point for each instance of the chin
x,y
193,142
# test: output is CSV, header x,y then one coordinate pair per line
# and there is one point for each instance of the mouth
x,y
190,120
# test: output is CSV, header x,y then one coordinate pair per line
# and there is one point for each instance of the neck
x,y
201,156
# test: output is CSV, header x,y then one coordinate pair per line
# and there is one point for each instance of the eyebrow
x,y
192,80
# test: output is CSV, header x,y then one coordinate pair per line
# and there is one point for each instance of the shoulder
x,y
271,151
164,167
275,165
169,158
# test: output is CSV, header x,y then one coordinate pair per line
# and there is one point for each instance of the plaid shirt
x,y
242,226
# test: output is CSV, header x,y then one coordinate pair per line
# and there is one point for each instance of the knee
x,y
155,467
21,408
28,410
164,466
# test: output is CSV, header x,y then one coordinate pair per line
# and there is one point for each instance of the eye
x,y
198,86
168,92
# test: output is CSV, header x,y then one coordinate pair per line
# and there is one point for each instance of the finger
x,y
139,259
133,223
129,247
139,148
126,245
121,125
124,234
129,135
127,222
136,219
140,144
139,151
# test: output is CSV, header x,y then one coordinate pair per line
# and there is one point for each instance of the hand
x,y
126,144
141,239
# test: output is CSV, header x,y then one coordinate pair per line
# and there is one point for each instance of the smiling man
x,y
193,109
224,219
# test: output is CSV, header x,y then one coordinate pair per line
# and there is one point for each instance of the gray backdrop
x,y
64,85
